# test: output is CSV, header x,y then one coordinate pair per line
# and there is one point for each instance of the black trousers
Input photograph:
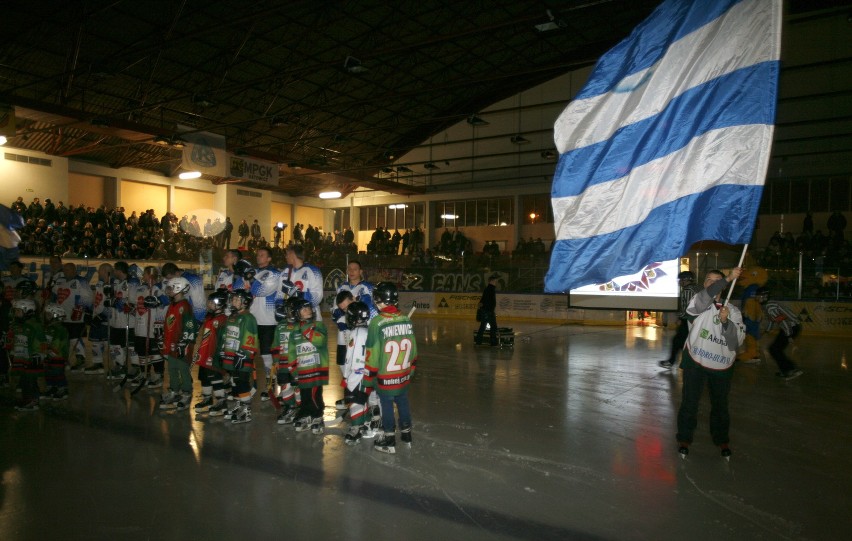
x,y
489,318
679,340
778,347
719,384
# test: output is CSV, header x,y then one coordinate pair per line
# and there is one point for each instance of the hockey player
x,y
26,345
237,351
74,296
309,347
688,289
391,361
359,290
122,322
212,384
196,296
306,277
265,286
56,354
151,301
99,327
789,329
358,319
287,314
16,269
178,342
716,331
225,278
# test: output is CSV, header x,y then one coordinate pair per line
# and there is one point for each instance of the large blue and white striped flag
x,y
668,143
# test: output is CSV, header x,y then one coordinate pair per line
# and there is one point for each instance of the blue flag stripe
x,y
731,100
649,41
717,213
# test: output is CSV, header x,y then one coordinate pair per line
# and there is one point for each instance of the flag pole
x,y
734,282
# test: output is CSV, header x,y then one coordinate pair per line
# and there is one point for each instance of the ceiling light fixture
x,y
178,143
403,169
430,166
449,216
474,120
162,141
353,65
3,140
277,122
186,175
519,140
548,154
397,206
552,24
329,195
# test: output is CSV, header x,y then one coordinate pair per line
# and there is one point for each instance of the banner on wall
x,y
205,152
253,170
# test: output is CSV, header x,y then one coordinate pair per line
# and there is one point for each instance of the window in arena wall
x,y
383,216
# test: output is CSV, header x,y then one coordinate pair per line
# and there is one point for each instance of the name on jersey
x,y
396,381
398,329
709,356
707,335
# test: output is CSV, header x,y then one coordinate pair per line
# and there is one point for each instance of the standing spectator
x,y
255,231
789,328
19,206
808,224
226,234
279,228
488,308
406,240
715,334
243,232
35,209
836,224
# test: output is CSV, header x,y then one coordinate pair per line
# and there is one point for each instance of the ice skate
x,y
32,405
405,435
94,370
385,444
218,409
204,405
60,394
169,401
317,425
726,451
287,416
302,424
683,450
242,416
231,412
353,436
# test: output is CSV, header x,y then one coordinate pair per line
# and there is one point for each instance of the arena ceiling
x,y
336,92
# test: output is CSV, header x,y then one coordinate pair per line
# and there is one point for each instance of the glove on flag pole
x,y
668,143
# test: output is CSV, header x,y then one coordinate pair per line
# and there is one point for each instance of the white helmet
x,y
26,306
176,285
54,312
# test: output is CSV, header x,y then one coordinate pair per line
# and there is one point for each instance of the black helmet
x,y
686,275
293,305
26,288
386,293
357,315
304,303
245,297
244,269
217,301
762,292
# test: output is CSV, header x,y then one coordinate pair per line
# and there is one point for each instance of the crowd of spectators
x,y
829,251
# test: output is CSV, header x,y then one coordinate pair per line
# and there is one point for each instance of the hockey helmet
x,y
686,275
24,308
762,294
176,285
292,308
302,304
53,312
386,293
357,315
26,288
217,301
244,269
245,297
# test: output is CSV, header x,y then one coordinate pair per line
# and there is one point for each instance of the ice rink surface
x,y
568,435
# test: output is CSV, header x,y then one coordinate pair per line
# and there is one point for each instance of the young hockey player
x,y
287,314
151,302
212,384
391,361
26,345
99,326
357,319
309,347
238,347
358,290
122,322
56,357
178,342
74,296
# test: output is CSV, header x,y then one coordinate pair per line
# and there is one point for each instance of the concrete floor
x,y
570,435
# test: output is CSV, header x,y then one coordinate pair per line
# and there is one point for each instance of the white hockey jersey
x,y
74,296
356,358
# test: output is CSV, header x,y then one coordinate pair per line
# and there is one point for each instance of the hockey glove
x,y
36,360
100,319
151,302
239,359
108,302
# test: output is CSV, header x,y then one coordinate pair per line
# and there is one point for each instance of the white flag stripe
x,y
727,156
725,45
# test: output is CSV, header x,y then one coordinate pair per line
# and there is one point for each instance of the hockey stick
x,y
411,312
